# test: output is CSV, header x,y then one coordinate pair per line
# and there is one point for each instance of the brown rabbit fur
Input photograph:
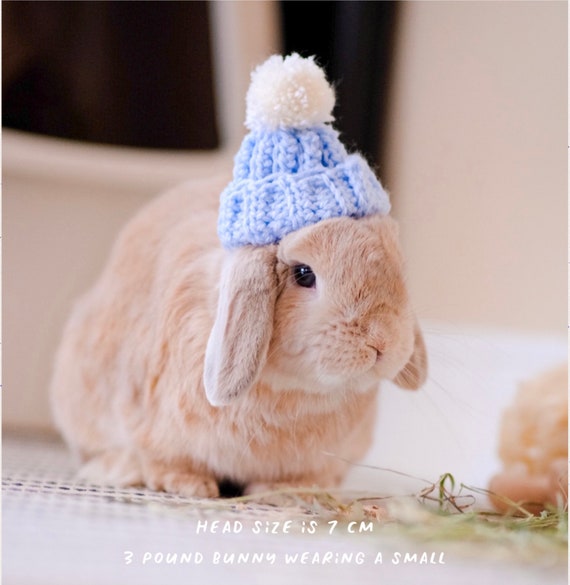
x,y
186,365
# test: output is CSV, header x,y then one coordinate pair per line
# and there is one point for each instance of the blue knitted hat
x,y
291,169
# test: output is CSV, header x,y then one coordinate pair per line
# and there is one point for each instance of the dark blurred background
x,y
140,74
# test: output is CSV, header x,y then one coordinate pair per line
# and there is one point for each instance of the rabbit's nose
x,y
378,351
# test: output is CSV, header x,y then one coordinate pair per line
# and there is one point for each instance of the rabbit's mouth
x,y
366,364
330,364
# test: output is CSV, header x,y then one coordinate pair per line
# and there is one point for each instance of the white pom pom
x,y
289,92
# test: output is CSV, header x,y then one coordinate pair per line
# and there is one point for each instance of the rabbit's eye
x,y
304,275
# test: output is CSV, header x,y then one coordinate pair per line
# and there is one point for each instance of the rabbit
x,y
188,364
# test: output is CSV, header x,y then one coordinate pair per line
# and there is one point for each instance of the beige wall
x,y
477,161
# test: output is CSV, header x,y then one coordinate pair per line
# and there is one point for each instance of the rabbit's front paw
x,y
183,482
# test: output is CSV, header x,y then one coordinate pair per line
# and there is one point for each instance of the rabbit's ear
x,y
239,340
413,375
